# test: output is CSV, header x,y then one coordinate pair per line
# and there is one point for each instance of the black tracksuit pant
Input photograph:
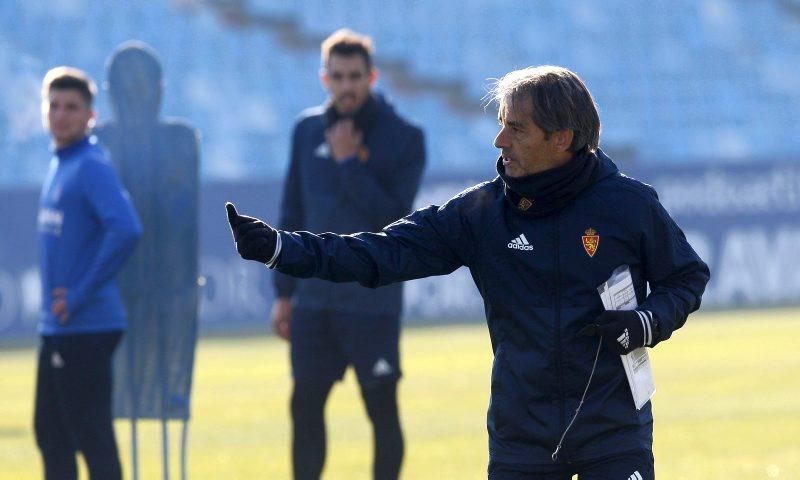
x,y
73,405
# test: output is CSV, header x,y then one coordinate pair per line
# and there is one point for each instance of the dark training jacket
x,y
323,196
536,300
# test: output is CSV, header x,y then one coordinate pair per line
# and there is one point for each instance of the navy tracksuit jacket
x,y
536,300
323,196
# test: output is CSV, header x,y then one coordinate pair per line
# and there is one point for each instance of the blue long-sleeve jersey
x,y
87,228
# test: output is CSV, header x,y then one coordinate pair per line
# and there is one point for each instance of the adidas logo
x,y
382,368
636,476
625,340
323,150
520,243
56,361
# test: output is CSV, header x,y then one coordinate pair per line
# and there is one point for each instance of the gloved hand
x,y
255,240
624,330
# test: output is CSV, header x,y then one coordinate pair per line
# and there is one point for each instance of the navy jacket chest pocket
x,y
589,254
384,149
519,262
318,170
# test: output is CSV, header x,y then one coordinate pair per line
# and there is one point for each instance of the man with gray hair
x,y
554,224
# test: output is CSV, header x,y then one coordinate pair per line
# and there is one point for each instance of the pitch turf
x,y
727,406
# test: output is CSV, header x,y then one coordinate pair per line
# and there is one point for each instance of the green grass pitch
x,y
727,406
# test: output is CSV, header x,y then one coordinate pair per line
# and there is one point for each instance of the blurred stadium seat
x,y
677,81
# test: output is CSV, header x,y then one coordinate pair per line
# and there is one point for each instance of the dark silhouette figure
x,y
158,163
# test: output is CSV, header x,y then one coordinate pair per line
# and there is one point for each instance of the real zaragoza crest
x,y
590,241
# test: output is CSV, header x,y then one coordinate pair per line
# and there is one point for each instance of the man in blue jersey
x,y
557,221
87,228
355,165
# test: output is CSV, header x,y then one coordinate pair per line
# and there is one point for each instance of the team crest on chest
x,y
591,240
363,154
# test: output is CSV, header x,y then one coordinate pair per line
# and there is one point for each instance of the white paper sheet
x,y
618,293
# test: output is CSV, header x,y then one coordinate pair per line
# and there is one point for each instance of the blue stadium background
x,y
700,98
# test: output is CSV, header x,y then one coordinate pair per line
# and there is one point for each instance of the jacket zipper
x,y
559,364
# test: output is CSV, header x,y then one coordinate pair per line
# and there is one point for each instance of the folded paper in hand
x,y
617,293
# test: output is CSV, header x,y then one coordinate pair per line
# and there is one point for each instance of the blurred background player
x,y
87,228
355,165
538,240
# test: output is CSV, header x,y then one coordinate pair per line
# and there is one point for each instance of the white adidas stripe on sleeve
x,y
645,316
274,259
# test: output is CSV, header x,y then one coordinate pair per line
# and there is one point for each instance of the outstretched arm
x,y
426,243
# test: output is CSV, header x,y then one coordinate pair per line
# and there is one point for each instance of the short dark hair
x,y
346,42
560,101
69,78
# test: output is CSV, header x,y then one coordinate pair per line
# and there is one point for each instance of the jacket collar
x,y
544,193
68,151
365,119
606,166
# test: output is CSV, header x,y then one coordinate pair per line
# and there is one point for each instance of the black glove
x,y
624,330
255,240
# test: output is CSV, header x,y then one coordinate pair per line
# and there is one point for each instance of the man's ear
x,y
373,76
92,118
562,139
323,77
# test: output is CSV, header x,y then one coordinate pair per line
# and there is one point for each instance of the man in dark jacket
x,y
557,222
355,166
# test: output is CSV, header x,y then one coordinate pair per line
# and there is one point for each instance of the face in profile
x,y
348,80
68,116
525,148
